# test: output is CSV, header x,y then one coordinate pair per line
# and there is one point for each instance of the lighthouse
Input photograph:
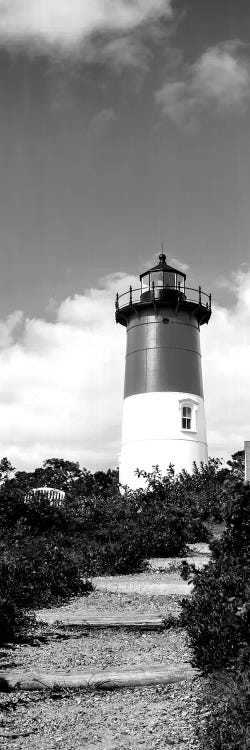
x,y
163,410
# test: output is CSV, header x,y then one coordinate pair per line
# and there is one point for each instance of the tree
x,y
57,472
237,464
5,469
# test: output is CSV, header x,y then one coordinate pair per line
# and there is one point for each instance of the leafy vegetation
x,y
217,619
223,713
217,615
48,547
168,514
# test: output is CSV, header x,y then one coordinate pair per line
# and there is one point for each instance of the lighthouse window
x,y
145,281
180,280
157,278
169,279
186,417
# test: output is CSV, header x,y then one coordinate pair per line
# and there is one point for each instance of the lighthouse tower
x,y
163,410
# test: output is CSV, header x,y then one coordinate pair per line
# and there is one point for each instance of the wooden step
x,y
141,585
131,620
107,679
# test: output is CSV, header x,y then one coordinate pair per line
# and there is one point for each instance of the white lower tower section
x,y
159,429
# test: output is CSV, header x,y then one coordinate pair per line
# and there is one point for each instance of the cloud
x,y
176,263
226,364
102,120
67,24
9,328
223,76
61,382
219,79
129,51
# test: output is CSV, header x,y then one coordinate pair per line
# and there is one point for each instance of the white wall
x,y
152,434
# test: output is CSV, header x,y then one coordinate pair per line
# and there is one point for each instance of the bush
x,y
12,619
169,518
111,534
223,713
217,619
95,530
217,615
47,572
204,490
34,572
52,547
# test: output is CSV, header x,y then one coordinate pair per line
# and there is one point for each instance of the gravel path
x,y
145,717
110,602
101,649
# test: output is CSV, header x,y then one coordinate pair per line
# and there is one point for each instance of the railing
x,y
135,296
50,493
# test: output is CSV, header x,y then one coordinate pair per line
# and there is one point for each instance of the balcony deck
x,y
193,299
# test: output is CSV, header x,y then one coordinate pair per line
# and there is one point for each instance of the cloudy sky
x,y
124,123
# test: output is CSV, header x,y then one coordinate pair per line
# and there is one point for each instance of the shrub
x,y
204,490
95,530
223,712
217,613
34,572
111,533
169,518
47,572
217,618
12,618
51,548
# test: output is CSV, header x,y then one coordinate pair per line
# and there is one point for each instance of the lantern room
x,y
162,278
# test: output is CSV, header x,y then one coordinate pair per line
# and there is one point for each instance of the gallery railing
x,y
158,293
